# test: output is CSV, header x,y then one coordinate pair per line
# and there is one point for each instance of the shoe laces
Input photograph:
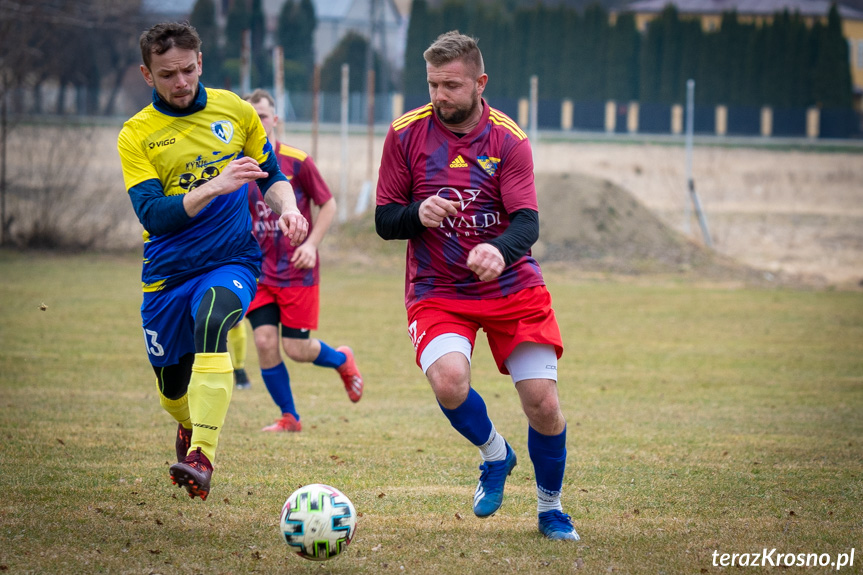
x,y
491,469
557,520
485,471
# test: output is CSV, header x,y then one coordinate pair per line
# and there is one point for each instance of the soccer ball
x,y
318,522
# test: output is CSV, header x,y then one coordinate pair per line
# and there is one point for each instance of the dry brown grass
x,y
701,419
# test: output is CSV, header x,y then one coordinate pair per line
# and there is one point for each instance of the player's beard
x,y
171,99
459,114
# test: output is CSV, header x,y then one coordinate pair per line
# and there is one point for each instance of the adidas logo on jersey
x,y
458,162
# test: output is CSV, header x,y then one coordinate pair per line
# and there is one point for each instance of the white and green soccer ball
x,y
318,522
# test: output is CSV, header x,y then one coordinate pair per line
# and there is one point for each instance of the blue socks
x,y
471,419
278,383
548,454
329,357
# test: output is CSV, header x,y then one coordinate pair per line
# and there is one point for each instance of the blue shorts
x,y
168,316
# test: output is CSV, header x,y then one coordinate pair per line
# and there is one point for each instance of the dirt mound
x,y
599,226
587,224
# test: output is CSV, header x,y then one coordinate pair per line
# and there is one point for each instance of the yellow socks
x,y
178,408
237,341
209,396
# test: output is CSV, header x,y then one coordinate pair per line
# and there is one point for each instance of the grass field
x,y
701,419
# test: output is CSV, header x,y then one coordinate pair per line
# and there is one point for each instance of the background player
x,y
288,290
238,342
456,181
186,159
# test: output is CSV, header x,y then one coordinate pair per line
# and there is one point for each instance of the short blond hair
x,y
451,46
259,95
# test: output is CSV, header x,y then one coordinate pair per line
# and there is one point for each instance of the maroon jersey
x,y
309,187
489,171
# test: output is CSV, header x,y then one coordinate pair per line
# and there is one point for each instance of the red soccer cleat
x,y
351,376
193,473
287,423
184,441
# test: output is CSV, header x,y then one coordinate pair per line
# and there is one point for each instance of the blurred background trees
x,y
81,50
581,55
296,32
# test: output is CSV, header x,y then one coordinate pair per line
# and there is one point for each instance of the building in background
x,y
760,11
384,21
379,20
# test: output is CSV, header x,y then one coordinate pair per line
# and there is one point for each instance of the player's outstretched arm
x,y
235,174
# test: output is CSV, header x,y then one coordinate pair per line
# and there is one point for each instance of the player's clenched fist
x,y
236,174
305,256
294,225
433,210
486,262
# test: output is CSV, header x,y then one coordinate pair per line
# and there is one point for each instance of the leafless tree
x,y
79,44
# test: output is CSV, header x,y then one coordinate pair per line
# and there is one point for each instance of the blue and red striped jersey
x,y
309,188
489,171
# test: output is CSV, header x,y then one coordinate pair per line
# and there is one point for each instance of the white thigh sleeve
x,y
442,345
531,360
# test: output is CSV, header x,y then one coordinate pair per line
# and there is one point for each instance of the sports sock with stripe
x,y
495,448
548,454
209,396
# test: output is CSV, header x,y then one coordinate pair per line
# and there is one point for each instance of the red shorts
x,y
507,321
298,306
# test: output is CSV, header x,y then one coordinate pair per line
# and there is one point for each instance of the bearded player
x,y
456,181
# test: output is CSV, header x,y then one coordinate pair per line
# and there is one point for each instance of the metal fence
x,y
583,116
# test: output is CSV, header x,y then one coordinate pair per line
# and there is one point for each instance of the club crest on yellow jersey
x,y
223,129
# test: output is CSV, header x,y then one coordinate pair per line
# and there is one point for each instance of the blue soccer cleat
x,y
489,490
557,525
